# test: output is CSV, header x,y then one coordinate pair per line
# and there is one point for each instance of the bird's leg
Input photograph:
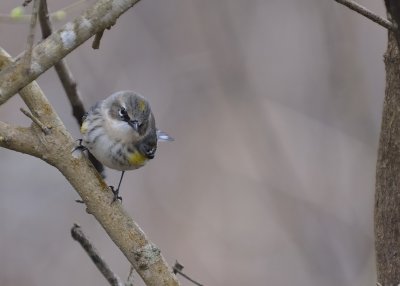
x,y
116,192
80,147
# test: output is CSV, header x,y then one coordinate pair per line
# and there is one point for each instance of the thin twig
x,y
45,129
67,79
20,139
58,15
23,19
178,269
56,150
97,39
62,68
73,6
368,14
45,54
80,237
99,35
31,35
131,276
26,3
44,20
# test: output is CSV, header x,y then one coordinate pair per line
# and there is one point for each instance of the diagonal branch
x,y
44,128
55,148
368,14
177,268
26,3
31,36
66,78
62,69
33,97
78,235
19,139
97,39
101,15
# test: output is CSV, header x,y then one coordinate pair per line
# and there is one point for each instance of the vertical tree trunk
x,y
387,196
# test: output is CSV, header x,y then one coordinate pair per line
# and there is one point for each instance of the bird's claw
x,y
116,196
80,147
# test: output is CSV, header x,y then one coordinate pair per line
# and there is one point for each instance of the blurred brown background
x,y
275,107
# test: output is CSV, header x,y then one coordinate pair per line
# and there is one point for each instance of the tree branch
x,y
31,35
62,69
131,277
103,14
368,14
26,3
19,139
67,80
45,129
78,235
58,15
55,149
97,39
33,97
387,183
178,269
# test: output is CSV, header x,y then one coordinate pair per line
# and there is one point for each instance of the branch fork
x,y
368,14
54,145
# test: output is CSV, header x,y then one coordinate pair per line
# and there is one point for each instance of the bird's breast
x,y
137,159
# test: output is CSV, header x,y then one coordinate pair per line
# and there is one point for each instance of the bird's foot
x,y
116,194
80,147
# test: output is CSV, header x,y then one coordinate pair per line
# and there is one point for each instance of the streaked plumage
x,y
120,131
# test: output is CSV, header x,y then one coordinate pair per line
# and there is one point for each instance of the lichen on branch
x,y
103,14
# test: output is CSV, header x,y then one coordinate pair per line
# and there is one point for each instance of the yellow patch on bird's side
x,y
141,105
137,159
84,127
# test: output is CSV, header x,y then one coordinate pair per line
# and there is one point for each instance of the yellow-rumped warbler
x,y
121,133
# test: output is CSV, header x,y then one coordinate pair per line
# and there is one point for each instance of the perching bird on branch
x,y
121,133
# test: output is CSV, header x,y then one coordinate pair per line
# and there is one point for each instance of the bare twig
x,y
55,149
45,54
45,129
23,19
131,276
80,237
43,14
368,14
178,269
26,3
98,36
19,139
62,68
97,39
58,15
67,79
72,6
31,35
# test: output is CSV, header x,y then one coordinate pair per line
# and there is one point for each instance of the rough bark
x,y
55,148
67,80
387,195
102,15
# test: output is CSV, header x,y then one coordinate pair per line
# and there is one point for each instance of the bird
x,y
120,132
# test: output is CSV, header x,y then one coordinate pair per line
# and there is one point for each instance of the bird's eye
x,y
123,113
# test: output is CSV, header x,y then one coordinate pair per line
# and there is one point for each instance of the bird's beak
x,y
148,150
134,124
